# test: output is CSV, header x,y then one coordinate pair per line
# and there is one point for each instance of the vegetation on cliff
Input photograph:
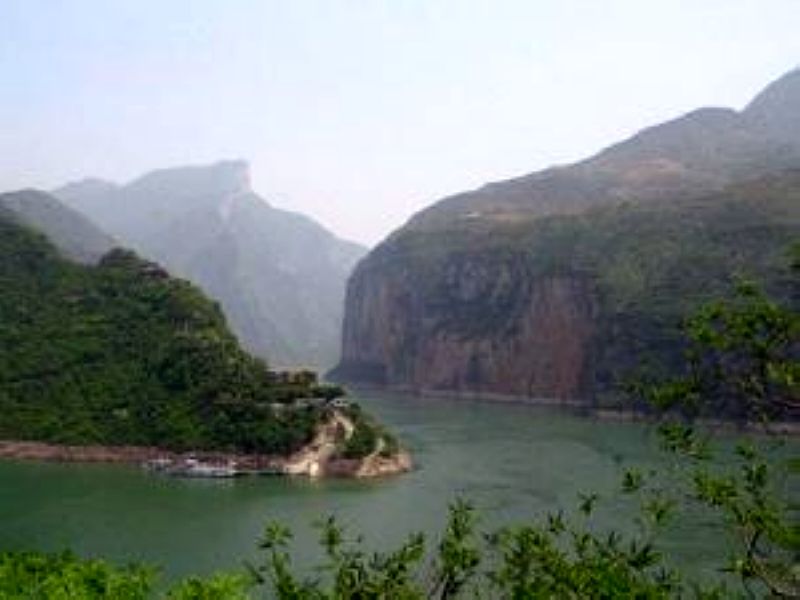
x,y
121,353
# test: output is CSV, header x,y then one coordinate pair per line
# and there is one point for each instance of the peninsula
x,y
107,357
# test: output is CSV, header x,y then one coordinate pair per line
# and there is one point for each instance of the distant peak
x,y
223,177
90,187
235,168
90,184
783,93
776,110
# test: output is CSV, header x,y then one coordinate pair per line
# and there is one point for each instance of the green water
x,y
514,462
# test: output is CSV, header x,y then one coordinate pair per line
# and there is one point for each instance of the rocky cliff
x,y
401,333
556,284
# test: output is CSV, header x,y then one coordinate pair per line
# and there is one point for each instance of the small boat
x,y
192,467
198,469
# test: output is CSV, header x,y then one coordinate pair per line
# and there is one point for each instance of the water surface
x,y
514,462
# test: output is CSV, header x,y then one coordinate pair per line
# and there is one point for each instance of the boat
x,y
191,467
195,468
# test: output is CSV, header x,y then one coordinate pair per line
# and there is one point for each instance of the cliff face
x,y
557,284
541,351
401,333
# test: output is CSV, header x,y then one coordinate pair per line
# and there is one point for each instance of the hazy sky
x,y
360,112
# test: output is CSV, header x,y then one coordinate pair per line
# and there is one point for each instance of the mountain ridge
x,y
698,152
76,236
279,275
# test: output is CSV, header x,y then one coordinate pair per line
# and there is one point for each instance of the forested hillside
x,y
122,353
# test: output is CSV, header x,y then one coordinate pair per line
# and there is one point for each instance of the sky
x,y
361,112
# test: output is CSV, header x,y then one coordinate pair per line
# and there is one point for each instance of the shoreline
x,y
132,455
371,466
576,407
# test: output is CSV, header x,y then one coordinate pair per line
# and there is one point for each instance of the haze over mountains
x,y
702,151
555,283
279,276
75,236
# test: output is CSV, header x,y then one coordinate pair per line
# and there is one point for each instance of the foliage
x,y
553,561
121,353
362,442
742,360
549,560
367,437
39,576
221,586
33,576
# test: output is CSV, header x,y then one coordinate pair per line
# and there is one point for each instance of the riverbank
x,y
242,464
787,428
581,408
319,458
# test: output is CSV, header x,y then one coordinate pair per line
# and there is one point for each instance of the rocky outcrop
x,y
314,458
373,466
322,456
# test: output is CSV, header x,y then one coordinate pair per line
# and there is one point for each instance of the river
x,y
514,462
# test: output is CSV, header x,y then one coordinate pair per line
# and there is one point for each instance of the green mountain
x,y
119,352
555,284
279,276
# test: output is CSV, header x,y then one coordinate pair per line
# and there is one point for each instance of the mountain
x,y
70,231
697,153
774,110
120,353
556,284
279,276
